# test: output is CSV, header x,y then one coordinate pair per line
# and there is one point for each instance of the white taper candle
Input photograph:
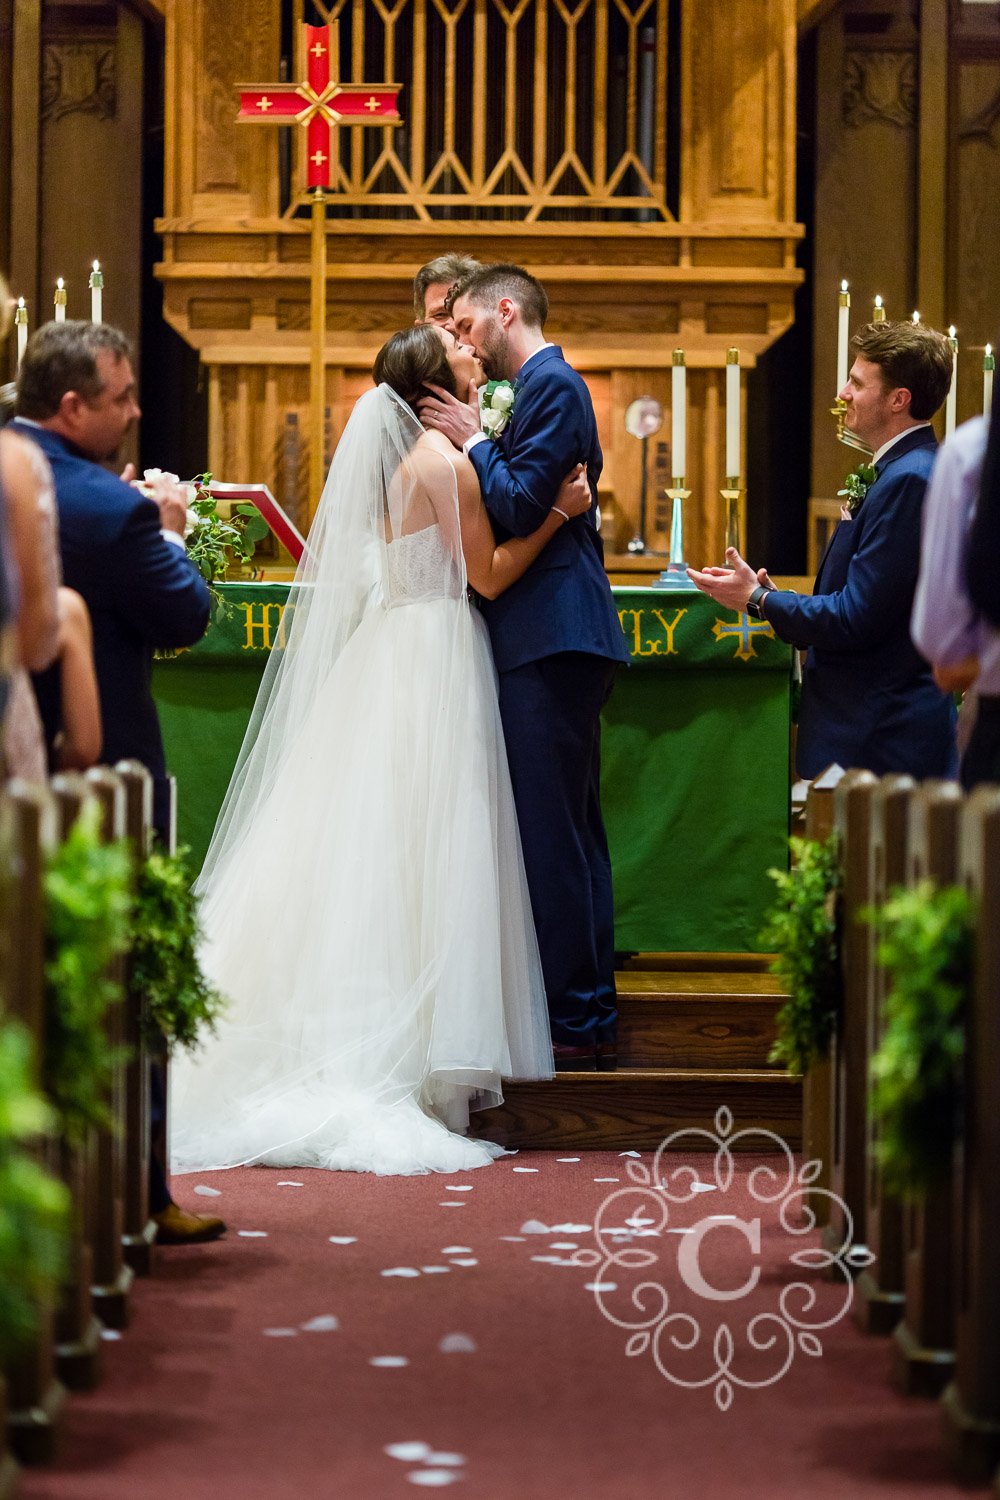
x,y
60,302
989,365
678,413
21,323
951,405
843,335
97,294
733,469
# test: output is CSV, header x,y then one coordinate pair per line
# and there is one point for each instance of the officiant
x,y
869,699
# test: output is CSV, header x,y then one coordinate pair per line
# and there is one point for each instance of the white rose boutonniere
x,y
496,403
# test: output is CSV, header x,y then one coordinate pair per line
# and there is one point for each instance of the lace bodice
x,y
421,567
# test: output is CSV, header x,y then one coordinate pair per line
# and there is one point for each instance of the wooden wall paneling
x,y
25,149
975,290
932,203
741,80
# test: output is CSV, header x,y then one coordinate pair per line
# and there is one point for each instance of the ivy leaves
x,y
213,543
801,927
178,1001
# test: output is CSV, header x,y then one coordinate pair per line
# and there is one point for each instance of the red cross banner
x,y
319,103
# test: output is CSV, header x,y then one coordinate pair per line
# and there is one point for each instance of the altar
x,y
695,773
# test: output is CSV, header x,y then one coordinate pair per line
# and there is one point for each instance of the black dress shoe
x,y
572,1059
607,1057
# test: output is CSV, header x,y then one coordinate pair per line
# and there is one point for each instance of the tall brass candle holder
x,y
839,410
674,576
733,496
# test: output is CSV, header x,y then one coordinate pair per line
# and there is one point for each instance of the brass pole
x,y
317,352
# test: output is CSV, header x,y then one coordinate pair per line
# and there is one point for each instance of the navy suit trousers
x,y
551,720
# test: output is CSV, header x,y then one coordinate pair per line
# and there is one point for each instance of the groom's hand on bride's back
x,y
443,412
574,497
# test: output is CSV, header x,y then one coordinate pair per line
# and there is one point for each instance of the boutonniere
x,y
496,403
856,487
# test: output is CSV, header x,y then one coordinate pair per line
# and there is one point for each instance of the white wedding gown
x,y
365,906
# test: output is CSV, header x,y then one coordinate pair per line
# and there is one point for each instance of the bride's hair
x,y
410,361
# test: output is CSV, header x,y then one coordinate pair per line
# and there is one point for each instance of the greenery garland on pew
x,y
87,907
925,944
34,1206
801,927
178,1000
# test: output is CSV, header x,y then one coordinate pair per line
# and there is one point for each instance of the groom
x,y
556,641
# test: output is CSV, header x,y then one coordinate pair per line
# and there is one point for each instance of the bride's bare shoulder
x,y
436,442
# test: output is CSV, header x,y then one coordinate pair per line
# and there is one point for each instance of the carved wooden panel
x,y
975,291
739,75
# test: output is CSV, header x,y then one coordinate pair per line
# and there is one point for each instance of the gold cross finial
x,y
264,103
318,50
318,158
372,103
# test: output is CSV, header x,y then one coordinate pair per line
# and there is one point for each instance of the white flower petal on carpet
x,y
207,1192
442,1460
410,1453
111,1334
524,1169
630,1153
457,1250
453,1204
571,1229
535,1226
567,1158
401,1271
465,1261
701,1187
389,1361
288,1183
607,1179
343,1239
432,1477
434,1270
600,1286
253,1234
280,1333
325,1323
455,1343
563,1245
454,1188
515,1239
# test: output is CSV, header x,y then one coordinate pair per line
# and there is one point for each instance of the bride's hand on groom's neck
x,y
443,412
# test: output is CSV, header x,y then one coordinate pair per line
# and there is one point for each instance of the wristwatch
x,y
752,605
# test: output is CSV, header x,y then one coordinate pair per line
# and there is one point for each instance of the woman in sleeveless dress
x,y
364,900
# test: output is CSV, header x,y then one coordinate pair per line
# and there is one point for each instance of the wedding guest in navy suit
x,y
126,556
557,643
869,698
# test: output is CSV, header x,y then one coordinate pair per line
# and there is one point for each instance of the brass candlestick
x,y
733,496
839,410
674,575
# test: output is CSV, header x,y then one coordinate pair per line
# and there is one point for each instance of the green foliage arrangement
x,y
178,1000
801,927
925,944
212,542
34,1206
87,907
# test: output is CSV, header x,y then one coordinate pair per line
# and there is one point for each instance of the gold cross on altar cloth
x,y
746,629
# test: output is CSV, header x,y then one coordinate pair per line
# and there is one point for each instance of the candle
x,y
21,324
843,335
916,319
951,404
733,418
878,314
60,301
989,365
678,413
97,294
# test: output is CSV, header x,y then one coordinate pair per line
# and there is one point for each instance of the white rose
x,y
491,419
503,398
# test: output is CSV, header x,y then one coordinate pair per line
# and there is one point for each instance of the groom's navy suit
x,y
868,697
557,643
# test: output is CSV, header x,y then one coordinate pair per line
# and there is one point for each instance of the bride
x,y
364,899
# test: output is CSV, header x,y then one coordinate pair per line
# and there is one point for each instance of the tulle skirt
x,y
372,929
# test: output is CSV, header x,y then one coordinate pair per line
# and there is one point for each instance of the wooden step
x,y
737,963
720,1021
636,1108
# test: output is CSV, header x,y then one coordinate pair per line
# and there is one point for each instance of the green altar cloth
x,y
695,773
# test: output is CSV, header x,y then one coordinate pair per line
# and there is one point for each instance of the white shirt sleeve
x,y
477,437
172,536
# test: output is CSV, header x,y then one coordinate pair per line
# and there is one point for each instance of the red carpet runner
x,y
283,1363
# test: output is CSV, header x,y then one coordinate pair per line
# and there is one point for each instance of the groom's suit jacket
x,y
563,602
868,697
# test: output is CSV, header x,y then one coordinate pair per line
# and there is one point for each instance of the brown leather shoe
x,y
571,1059
175,1226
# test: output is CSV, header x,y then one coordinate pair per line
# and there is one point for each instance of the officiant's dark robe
x,y
869,699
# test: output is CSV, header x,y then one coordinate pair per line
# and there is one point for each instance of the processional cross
x,y
319,104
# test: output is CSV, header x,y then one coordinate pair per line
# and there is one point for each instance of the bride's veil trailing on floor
x,y
363,898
